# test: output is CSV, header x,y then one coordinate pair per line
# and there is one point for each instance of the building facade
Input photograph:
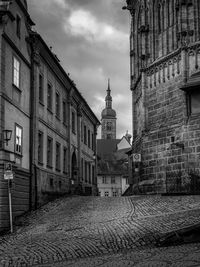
x,y
108,118
165,76
52,149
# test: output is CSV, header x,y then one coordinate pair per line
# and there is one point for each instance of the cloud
x,y
90,37
83,23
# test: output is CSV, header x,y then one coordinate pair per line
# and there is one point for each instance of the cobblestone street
x,y
93,231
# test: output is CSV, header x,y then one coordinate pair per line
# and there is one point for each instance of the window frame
x,y
17,71
15,144
41,88
73,119
57,159
57,105
50,152
49,97
65,167
40,147
64,112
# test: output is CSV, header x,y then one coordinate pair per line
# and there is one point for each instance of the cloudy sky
x,y
91,39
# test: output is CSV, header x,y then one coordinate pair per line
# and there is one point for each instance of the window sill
x,y
16,87
49,167
40,163
41,103
18,154
50,111
58,170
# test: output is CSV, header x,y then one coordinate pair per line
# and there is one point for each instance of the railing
x,y
183,182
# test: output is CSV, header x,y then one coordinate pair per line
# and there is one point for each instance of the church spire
x,y
108,98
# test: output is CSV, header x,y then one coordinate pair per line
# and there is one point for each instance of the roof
x,y
111,160
106,146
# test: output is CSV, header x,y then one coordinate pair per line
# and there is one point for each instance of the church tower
x,y
108,118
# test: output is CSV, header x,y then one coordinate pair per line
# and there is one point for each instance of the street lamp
x,y
7,134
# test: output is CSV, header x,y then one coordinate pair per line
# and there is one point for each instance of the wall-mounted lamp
x,y
7,134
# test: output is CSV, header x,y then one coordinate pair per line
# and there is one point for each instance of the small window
x,y
57,105
114,194
65,160
109,126
106,194
64,113
88,138
49,151
16,72
93,142
18,26
73,123
51,182
89,172
109,136
57,156
85,135
82,166
49,97
195,102
85,171
104,181
41,89
113,180
40,147
18,139
82,132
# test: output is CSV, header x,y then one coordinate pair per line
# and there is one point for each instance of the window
x,y
16,71
92,141
112,180
73,123
85,171
82,169
57,105
93,181
104,180
18,26
18,139
40,147
49,97
41,89
57,156
127,181
109,126
114,194
89,172
64,112
109,136
65,159
106,194
85,135
88,138
82,131
195,102
49,151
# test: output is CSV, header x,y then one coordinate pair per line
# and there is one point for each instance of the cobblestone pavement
x,y
94,231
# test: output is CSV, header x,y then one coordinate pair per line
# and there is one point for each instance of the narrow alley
x,y
94,231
